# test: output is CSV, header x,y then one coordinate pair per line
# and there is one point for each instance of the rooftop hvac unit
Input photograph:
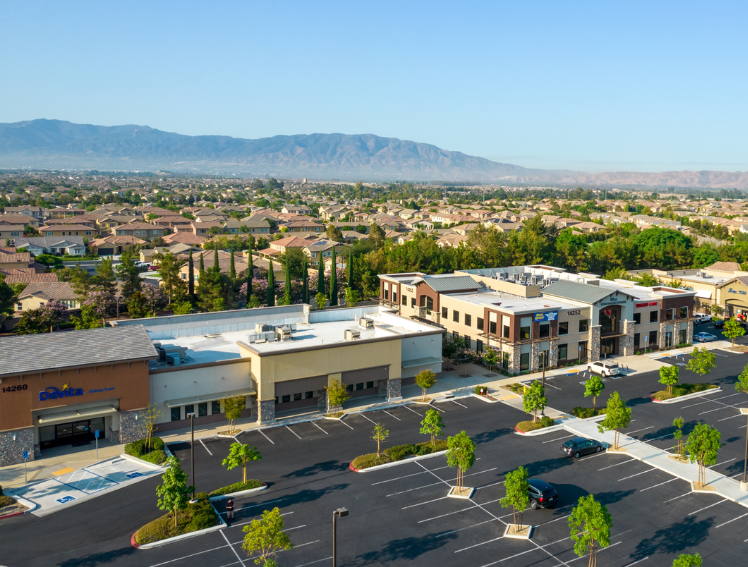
x,y
260,328
292,326
352,334
282,333
365,323
503,275
173,359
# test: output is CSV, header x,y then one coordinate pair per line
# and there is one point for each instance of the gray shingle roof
x,y
28,354
585,293
452,283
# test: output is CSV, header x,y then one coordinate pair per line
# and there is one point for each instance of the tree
x,y
216,263
678,435
617,415
351,258
702,446
232,409
191,278
182,308
174,286
7,300
594,387
351,297
732,330
333,279
380,435
136,306
534,399
265,536
590,525
432,424
305,283
41,320
321,278
702,361
460,455
517,493
425,379
337,394
201,265
742,384
287,284
376,235
490,357
321,300
669,377
232,267
150,415
716,310
129,274
270,300
685,560
334,233
173,494
239,456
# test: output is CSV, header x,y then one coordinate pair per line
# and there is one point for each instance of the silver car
x,y
604,368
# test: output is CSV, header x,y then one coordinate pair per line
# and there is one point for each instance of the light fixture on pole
x,y
192,455
744,482
339,513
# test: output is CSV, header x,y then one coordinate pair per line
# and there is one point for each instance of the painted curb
x,y
236,494
686,397
396,463
485,399
468,497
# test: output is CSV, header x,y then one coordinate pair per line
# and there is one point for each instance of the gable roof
x,y
451,283
49,290
582,292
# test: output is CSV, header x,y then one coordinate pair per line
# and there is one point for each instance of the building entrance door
x,y
73,433
608,347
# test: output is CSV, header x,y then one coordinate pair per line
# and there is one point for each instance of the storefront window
x,y
176,414
682,338
652,339
653,316
308,395
563,328
215,407
563,352
188,410
669,314
637,318
584,325
524,361
202,409
683,313
636,340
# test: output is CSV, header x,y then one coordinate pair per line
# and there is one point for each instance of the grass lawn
x,y
196,517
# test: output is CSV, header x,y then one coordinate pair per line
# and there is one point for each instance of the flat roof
x,y
513,303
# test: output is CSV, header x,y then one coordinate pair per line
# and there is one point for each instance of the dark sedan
x,y
579,446
542,494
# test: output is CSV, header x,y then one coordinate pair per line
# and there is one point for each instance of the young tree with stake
x,y
232,409
678,435
380,435
490,358
337,394
702,446
702,362
732,330
425,379
594,387
669,377
266,537
590,525
432,424
534,399
460,455
239,455
517,494
174,494
617,415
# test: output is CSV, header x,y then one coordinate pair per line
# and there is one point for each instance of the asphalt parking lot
x,y
401,514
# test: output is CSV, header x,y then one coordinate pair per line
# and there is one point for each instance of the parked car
x,y
702,318
542,494
704,337
719,323
604,368
579,446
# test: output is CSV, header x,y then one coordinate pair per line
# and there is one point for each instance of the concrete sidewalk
x,y
659,459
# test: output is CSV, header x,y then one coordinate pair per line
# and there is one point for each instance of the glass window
x,y
682,336
683,314
563,328
285,399
176,414
456,316
188,410
308,395
653,316
582,348
360,386
545,330
637,318
479,323
492,327
386,294
445,312
524,332
404,299
297,397
505,360
524,361
584,325
369,385
478,346
394,297
563,352
215,407
429,304
349,388
669,314
505,331
468,320
202,409
637,338
652,339
413,301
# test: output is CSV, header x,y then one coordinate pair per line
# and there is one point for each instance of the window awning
x,y
209,397
76,415
421,362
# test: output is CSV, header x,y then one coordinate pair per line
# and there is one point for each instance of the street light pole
x,y
744,484
192,455
339,513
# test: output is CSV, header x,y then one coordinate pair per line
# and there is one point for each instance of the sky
x,y
584,85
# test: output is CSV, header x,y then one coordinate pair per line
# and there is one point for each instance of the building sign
x,y
572,312
647,304
52,393
549,316
614,300
738,291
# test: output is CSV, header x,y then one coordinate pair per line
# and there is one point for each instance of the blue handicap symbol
x,y
134,475
65,499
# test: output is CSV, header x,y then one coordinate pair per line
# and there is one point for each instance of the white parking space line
x,y
582,557
265,436
731,417
681,496
427,502
637,474
522,552
313,562
414,411
617,464
366,418
232,548
558,439
722,463
705,507
636,562
203,444
318,427
388,413
256,505
731,521
556,520
407,475
344,423
551,385
458,403
447,514
630,433
722,408
465,528
250,521
435,484
479,544
656,485
656,438
292,431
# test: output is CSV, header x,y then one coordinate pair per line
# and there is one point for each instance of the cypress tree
x,y
321,278
202,264
191,278
287,285
350,270
216,265
232,267
333,279
249,277
271,285
305,284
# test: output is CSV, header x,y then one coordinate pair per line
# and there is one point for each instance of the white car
x,y
703,318
604,368
704,337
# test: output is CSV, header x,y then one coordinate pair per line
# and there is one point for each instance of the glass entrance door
x,y
608,347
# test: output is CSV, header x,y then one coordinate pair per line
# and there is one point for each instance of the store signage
x,y
613,300
549,316
647,304
573,311
52,393
741,292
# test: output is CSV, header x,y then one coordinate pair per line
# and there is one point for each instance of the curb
x,y
235,494
485,399
222,524
686,397
141,461
396,463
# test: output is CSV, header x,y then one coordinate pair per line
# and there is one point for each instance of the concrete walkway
x,y
659,459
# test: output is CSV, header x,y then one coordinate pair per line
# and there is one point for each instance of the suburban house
x,y
139,230
67,230
111,245
37,294
29,210
57,245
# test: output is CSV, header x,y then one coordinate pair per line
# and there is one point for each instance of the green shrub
x,y
525,426
399,452
370,460
238,487
6,501
135,448
155,457
157,444
682,390
583,413
202,520
479,388
197,516
546,421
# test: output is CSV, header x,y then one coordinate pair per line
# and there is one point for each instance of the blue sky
x,y
593,86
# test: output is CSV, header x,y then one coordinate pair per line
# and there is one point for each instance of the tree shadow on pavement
x,y
310,495
405,549
98,558
311,470
539,468
687,533
612,497
487,436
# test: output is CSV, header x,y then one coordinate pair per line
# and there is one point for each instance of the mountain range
x,y
57,144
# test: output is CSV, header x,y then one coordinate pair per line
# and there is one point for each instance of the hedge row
x,y
583,413
525,426
196,517
398,453
682,390
237,487
156,455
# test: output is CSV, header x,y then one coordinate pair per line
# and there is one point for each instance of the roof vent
x,y
352,334
365,323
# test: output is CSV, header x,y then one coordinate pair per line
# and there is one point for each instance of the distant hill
x,y
57,144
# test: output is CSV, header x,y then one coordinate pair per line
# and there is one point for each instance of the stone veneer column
x,y
131,426
394,390
689,332
661,336
534,359
627,346
322,399
553,358
514,353
11,452
593,343
265,411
